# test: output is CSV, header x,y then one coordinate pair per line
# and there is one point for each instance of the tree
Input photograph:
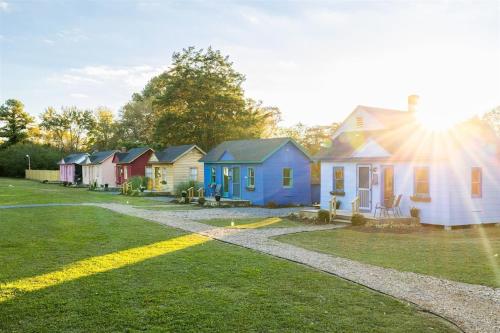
x,y
493,119
69,127
101,135
312,138
137,122
201,100
13,160
14,122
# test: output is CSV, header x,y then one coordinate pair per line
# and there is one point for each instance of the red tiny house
x,y
132,163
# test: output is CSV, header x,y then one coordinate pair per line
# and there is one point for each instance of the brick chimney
x,y
413,103
124,149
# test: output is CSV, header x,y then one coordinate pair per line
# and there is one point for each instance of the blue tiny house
x,y
261,171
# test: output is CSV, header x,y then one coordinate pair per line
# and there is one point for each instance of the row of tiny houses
x,y
259,171
379,159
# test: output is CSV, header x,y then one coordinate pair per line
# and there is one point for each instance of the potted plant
x,y
415,212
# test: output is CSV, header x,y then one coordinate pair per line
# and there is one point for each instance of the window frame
x,y
290,177
195,174
416,182
335,180
250,178
479,182
213,175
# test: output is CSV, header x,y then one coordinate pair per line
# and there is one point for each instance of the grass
x,y
202,286
255,222
466,255
21,191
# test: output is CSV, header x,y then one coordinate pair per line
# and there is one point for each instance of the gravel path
x,y
473,308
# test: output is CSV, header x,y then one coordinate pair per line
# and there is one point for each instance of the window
x,y
287,177
360,122
213,176
193,174
476,182
338,179
164,175
421,186
251,177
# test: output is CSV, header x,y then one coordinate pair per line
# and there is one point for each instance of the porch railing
x,y
201,192
355,205
333,208
190,193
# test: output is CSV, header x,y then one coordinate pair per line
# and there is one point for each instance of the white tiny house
x,y
452,177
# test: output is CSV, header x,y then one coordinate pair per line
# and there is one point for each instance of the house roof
x,y
408,142
173,153
131,155
248,151
78,158
100,156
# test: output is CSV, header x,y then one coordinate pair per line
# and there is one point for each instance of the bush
x,y
185,185
271,204
358,220
323,216
138,183
201,201
13,159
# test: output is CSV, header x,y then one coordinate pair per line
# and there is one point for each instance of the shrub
x,y
271,204
338,204
13,159
201,201
323,216
185,185
358,220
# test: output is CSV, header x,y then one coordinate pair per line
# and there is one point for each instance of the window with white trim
x,y
193,174
421,182
338,179
251,178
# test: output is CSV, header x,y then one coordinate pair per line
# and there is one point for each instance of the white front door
x,y
364,187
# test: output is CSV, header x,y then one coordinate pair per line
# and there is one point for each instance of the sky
x,y
315,60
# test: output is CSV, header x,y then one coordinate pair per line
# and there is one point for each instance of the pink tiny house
x,y
70,168
99,169
132,163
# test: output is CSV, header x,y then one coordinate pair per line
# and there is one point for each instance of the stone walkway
x,y
474,308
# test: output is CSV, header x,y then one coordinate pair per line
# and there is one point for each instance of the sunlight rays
x,y
99,264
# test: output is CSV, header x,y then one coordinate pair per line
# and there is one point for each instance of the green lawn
x,y
21,191
257,222
209,287
467,255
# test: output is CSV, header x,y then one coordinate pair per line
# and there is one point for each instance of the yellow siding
x,y
169,187
182,167
41,175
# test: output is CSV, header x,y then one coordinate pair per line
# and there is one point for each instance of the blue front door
x,y
236,181
225,182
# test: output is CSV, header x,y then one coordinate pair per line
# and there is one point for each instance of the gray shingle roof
x,y
171,154
249,151
101,156
131,155
75,158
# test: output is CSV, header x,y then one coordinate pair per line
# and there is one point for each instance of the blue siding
x,y
268,178
289,156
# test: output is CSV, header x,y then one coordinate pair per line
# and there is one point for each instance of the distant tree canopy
x,y
493,119
13,160
198,100
14,122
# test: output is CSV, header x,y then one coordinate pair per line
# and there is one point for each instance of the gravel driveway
x,y
474,308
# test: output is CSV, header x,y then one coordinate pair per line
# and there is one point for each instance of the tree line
x,y
199,99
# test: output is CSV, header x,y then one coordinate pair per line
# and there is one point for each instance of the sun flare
x,y
436,122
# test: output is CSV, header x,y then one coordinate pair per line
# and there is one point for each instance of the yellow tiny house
x,y
174,165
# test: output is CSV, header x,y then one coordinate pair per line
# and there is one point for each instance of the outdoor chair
x,y
396,209
385,207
